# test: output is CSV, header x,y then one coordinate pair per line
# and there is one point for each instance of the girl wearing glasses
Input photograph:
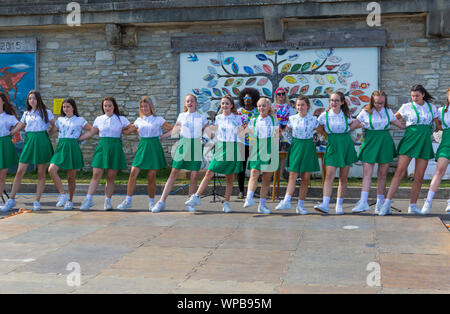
x,y
282,109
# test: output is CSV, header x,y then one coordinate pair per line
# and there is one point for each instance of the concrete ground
x,y
212,252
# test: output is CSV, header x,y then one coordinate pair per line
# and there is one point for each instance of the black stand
x,y
7,196
214,193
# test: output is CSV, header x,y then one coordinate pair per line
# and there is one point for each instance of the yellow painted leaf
x,y
285,67
290,79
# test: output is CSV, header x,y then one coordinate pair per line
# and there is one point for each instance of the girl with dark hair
x,y
150,154
8,154
337,123
302,156
282,110
109,153
226,158
38,149
248,98
442,156
378,147
419,115
68,155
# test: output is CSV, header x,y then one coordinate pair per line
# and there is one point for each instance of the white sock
x,y
301,203
430,196
339,202
326,201
128,199
287,198
364,196
262,201
250,194
88,197
380,199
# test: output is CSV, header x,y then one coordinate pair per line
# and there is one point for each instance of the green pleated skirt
x,y
264,155
444,147
8,153
37,150
226,158
109,154
302,156
150,154
378,147
188,154
68,155
340,151
416,143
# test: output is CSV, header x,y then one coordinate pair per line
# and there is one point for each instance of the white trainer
x,y
107,205
62,199
283,205
377,208
263,209
447,210
151,204
385,210
125,205
249,202
36,206
322,208
190,209
360,207
426,208
160,205
86,204
301,210
9,205
68,205
194,200
414,210
227,208
339,210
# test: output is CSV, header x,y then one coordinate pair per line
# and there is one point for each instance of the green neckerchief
x,y
328,125
387,125
417,113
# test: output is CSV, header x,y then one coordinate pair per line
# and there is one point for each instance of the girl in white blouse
x,y
188,155
419,115
442,156
109,153
336,123
68,155
38,149
227,158
150,154
8,154
378,147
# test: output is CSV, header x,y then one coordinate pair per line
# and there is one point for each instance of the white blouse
x,y
227,127
425,116
379,119
70,127
34,122
446,118
336,122
192,124
149,126
110,126
7,122
264,127
303,128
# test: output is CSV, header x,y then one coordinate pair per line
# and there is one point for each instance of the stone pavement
x,y
212,252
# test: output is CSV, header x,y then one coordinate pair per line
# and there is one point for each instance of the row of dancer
x,y
302,159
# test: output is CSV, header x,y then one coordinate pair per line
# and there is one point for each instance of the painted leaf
x,y
229,81
285,67
257,69
357,92
342,80
364,85
318,112
344,67
304,90
355,101
330,51
354,85
262,81
208,77
238,82
330,67
328,90
290,79
261,57
294,90
293,57
282,52
322,54
249,70
267,68
212,70
196,91
306,66
345,74
316,64
250,81
228,60
296,67
226,91
319,80
303,79
267,92
217,92
269,52
206,92
215,62
335,59
212,83
236,91
318,103
331,79
235,68
317,90
364,98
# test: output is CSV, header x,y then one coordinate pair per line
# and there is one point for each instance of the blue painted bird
x,y
193,57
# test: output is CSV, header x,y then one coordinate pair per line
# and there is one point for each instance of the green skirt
x,y
226,158
416,143
188,154
340,151
444,147
37,150
68,155
8,153
109,154
378,147
302,156
149,155
264,155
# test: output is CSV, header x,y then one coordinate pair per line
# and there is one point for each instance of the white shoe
x,y
339,210
194,200
322,208
151,205
36,206
86,204
68,205
249,202
160,205
107,205
414,210
377,208
263,209
301,210
62,199
361,207
10,204
283,205
385,210
227,207
447,210
190,209
426,208
124,205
